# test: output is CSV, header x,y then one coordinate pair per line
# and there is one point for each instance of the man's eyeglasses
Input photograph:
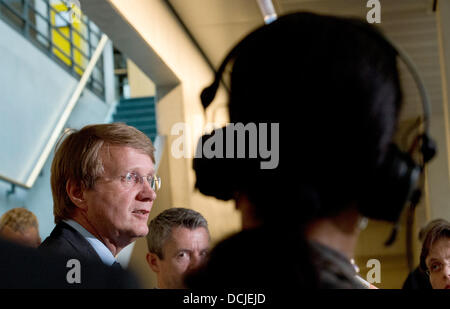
x,y
132,179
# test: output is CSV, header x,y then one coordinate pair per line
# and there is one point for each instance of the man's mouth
x,y
141,212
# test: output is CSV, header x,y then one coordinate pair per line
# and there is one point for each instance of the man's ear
x,y
153,262
75,193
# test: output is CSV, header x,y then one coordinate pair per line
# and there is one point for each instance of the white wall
x,y
155,24
34,91
140,84
440,183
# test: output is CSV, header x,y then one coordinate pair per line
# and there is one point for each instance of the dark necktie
x,y
116,265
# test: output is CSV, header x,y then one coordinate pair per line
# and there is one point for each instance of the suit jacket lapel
x,y
77,241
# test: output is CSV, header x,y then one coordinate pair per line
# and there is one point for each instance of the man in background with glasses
x,y
104,185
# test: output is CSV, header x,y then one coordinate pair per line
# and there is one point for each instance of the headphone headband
x,y
426,106
396,180
208,94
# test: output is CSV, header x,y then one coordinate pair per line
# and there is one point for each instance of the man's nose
x,y
146,193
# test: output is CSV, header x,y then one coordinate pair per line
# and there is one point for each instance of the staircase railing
x,y
86,77
61,122
49,27
67,111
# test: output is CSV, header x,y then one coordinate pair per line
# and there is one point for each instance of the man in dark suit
x,y
103,184
24,267
67,241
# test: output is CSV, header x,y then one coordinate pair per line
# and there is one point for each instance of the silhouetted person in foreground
x,y
332,86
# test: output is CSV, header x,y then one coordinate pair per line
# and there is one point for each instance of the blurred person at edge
x,y
21,226
435,255
418,279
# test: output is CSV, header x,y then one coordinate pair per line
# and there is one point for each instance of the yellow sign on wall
x,y
62,40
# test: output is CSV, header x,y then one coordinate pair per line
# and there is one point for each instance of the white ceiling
x,y
217,25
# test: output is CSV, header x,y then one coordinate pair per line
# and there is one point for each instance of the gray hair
x,y
160,228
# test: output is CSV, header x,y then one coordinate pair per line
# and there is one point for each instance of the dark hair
x,y
424,230
333,85
440,229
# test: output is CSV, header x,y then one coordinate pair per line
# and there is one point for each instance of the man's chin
x,y
141,232
134,233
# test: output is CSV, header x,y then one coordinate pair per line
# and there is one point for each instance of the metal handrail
x,y
13,182
67,111
86,78
62,120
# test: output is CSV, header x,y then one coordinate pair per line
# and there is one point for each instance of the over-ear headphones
x,y
399,174
396,180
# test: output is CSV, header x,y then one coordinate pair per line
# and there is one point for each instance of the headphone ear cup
x,y
208,94
392,186
213,175
428,148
